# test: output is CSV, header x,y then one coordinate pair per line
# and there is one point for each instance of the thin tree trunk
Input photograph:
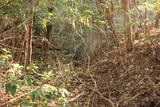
x,y
146,31
157,17
48,33
128,27
28,38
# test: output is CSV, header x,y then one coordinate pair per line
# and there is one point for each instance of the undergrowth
x,y
114,80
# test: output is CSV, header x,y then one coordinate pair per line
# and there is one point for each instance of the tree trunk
x,y
28,39
157,17
48,33
128,27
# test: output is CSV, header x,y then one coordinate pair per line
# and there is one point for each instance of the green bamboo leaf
x,y
44,105
13,89
35,105
33,96
28,80
7,87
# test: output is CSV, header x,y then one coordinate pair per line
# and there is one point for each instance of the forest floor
x,y
128,80
131,80
115,80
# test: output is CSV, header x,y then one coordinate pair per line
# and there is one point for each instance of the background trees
x,y
66,24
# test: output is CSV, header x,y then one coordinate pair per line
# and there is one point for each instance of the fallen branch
x,y
107,99
16,98
8,38
9,47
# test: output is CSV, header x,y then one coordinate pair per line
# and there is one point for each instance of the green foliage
x,y
71,11
28,80
4,57
44,94
18,80
10,88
